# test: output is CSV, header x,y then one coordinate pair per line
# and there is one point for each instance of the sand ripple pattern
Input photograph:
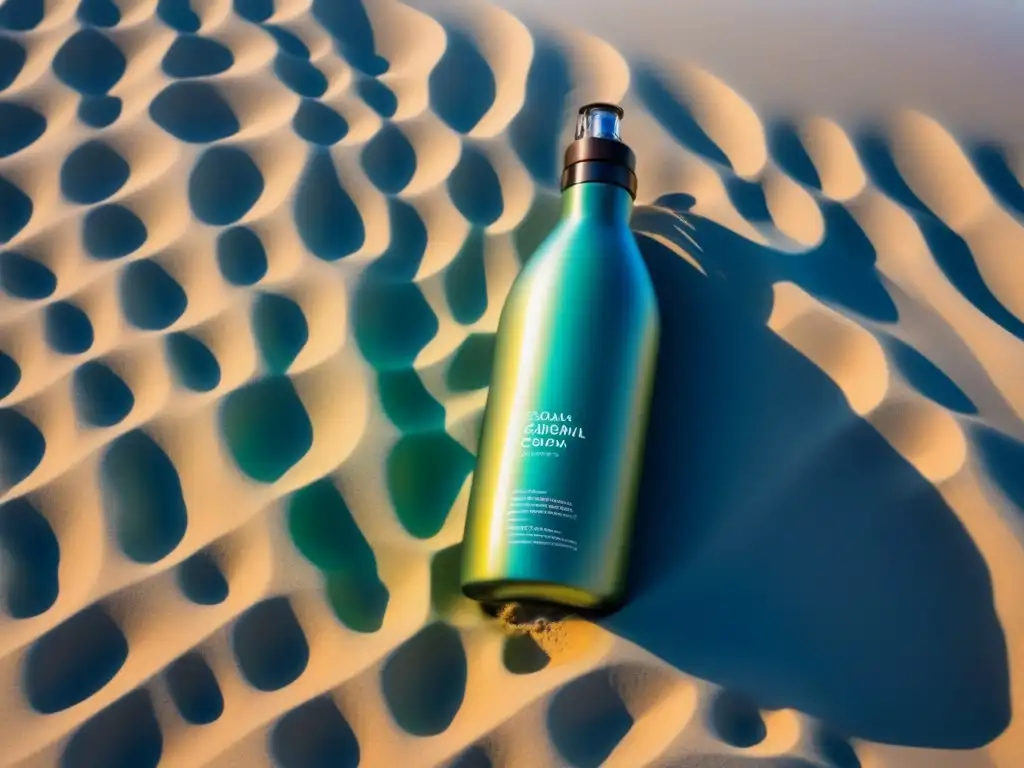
x,y
252,257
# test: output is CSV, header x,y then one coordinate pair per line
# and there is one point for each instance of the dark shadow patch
x,y
359,603
99,13
194,56
749,200
927,378
21,15
287,41
241,256
587,719
1002,456
143,498
73,661
401,261
389,160
787,148
31,555
20,126
150,298
319,124
522,656
201,580
425,472
101,398
314,735
194,689
25,278
224,185
67,329
842,268
424,680
407,403
89,62
15,210
300,76
377,96
178,14
474,757
445,587
462,86
465,280
112,231
990,161
736,720
874,153
12,59
194,111
195,366
126,733
475,188
323,530
266,428
22,447
957,263
92,173
255,11
99,111
834,748
470,369
10,374
269,645
280,328
326,217
349,25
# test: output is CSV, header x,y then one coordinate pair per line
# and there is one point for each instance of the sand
x,y
252,257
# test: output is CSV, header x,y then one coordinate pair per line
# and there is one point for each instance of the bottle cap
x,y
598,152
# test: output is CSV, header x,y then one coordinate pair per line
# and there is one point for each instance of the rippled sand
x,y
252,257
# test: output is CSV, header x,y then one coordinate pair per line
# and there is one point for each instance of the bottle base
x,y
540,593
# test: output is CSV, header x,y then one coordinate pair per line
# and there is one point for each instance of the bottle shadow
x,y
783,548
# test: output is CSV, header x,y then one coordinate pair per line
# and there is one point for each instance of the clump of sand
x,y
546,625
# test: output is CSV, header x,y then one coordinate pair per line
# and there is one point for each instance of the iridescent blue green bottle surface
x,y
552,502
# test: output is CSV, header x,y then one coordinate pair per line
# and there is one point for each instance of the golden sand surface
x,y
252,258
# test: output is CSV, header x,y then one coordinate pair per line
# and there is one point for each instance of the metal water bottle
x,y
551,507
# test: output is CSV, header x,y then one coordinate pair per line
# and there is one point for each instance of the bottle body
x,y
552,502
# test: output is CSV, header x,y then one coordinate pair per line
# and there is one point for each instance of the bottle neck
x,y
599,201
